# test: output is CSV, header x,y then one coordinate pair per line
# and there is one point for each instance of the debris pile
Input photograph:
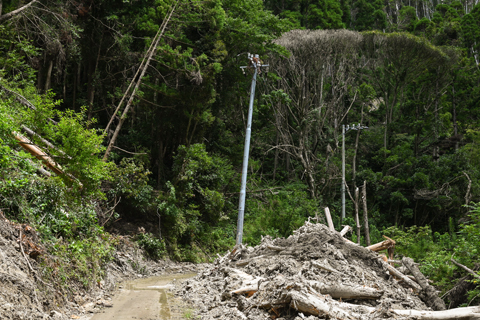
x,y
314,273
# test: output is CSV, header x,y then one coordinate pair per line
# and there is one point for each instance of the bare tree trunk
x,y
354,169
49,76
455,127
65,83
74,96
40,75
357,220
91,83
275,161
468,194
365,213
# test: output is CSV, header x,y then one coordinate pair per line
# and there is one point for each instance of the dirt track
x,y
146,299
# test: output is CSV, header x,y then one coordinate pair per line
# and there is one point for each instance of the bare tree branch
x,y
11,14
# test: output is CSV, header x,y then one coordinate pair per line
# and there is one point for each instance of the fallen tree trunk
x,y
386,244
275,248
38,153
32,133
338,291
432,299
242,263
320,306
468,313
398,274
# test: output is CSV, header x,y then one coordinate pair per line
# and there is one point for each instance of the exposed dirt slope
x,y
25,296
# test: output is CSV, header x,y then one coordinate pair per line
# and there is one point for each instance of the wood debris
x,y
313,274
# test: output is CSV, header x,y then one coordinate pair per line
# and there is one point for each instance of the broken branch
x,y
473,273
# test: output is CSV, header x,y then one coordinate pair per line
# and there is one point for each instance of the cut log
x,y
338,291
320,306
237,273
345,230
248,288
386,244
329,219
432,299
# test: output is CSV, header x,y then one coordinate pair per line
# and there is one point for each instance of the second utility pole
x,y
256,64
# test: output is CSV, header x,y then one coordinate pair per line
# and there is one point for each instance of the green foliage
x,y
471,30
434,250
324,14
130,181
277,212
16,53
195,201
412,242
369,15
154,247
78,261
417,91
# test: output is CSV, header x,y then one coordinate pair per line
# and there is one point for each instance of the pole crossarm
x,y
255,63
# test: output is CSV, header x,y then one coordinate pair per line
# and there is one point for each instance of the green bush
x,y
153,246
78,261
193,206
277,213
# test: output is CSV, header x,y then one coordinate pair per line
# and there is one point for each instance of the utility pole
x,y
255,64
344,130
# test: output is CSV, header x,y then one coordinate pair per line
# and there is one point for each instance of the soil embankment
x,y
24,295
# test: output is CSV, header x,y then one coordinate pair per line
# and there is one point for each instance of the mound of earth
x,y
25,296
315,273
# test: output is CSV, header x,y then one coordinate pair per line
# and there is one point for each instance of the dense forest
x,y
141,106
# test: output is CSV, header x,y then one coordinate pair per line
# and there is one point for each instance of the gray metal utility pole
x,y
344,130
256,64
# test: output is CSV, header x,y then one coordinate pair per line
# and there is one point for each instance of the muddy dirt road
x,y
146,299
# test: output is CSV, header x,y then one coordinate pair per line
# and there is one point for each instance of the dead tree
x,y
365,213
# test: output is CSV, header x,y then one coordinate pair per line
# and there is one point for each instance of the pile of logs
x,y
317,272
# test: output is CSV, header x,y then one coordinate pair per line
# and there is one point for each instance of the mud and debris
x,y
25,295
313,274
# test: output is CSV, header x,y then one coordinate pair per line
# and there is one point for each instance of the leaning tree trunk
x,y
150,53
365,213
